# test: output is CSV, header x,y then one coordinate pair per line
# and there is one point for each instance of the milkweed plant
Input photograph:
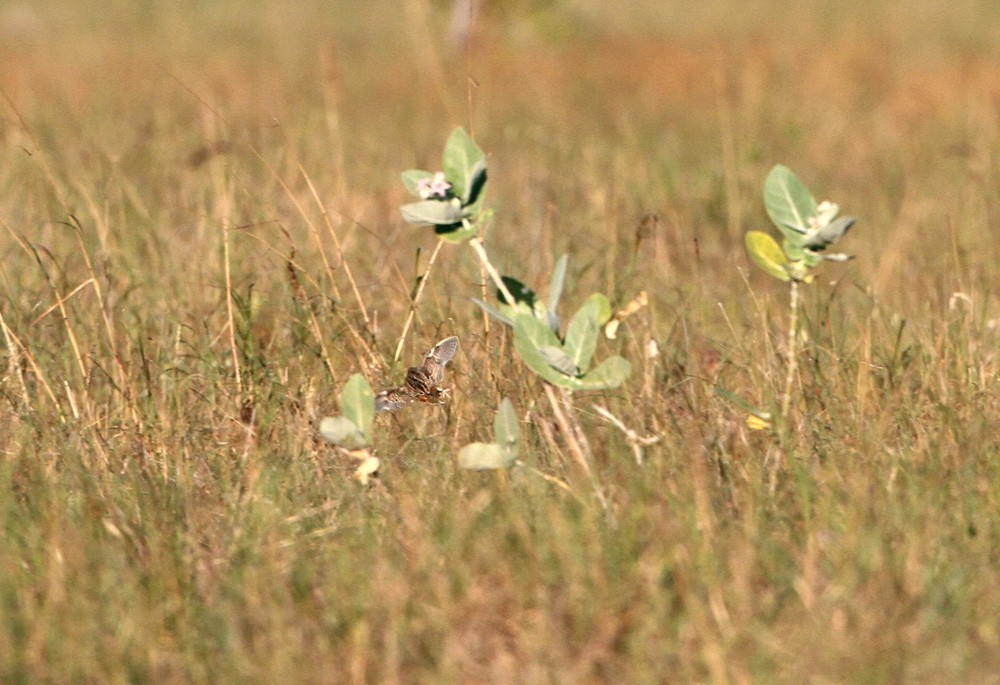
x,y
807,228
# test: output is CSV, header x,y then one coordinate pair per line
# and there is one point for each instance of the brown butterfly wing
x,y
392,399
421,382
435,361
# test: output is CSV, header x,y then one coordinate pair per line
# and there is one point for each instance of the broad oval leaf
x,y
436,212
342,431
559,360
485,456
788,202
357,401
461,159
506,430
530,335
610,373
584,329
412,178
767,254
555,290
534,330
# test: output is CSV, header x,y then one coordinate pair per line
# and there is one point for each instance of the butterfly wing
x,y
392,399
439,356
421,383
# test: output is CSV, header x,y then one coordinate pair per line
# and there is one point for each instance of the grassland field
x,y
200,242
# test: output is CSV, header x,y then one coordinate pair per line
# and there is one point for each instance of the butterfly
x,y
421,382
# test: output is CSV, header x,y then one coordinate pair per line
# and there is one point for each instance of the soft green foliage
x,y
456,217
357,401
565,363
526,300
788,202
464,166
506,429
561,361
808,228
353,430
501,454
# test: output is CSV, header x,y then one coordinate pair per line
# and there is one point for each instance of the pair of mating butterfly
x,y
422,382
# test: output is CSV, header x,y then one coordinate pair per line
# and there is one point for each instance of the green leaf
x,y
555,291
461,160
559,360
412,177
610,373
584,329
534,330
485,456
530,335
358,404
788,202
342,431
495,313
767,254
793,249
436,212
506,429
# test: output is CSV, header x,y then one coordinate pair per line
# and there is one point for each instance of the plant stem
x,y
477,245
793,324
416,298
575,439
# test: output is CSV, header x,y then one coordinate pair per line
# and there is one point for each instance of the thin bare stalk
x,y
416,299
14,366
551,479
580,449
793,325
477,245
229,312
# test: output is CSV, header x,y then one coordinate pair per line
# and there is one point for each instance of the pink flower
x,y
434,188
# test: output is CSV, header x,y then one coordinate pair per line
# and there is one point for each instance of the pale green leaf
x,y
788,202
555,291
584,329
358,404
506,430
559,360
461,161
436,212
500,316
530,335
485,456
342,431
610,373
534,330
